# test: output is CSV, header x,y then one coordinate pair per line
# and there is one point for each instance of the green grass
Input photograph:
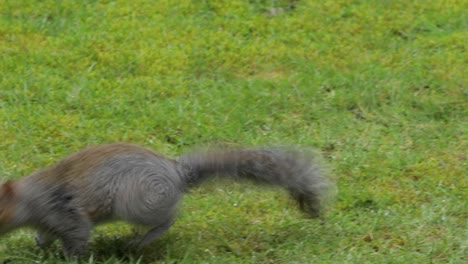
x,y
378,86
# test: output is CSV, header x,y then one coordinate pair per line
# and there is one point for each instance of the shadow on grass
x,y
104,249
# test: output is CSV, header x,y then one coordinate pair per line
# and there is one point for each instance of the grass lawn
x,y
379,87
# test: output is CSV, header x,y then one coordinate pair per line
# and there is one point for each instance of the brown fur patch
x,y
7,203
8,188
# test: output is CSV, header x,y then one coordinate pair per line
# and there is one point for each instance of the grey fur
x,y
299,172
129,183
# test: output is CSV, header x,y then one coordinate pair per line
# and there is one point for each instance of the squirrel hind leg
x,y
153,234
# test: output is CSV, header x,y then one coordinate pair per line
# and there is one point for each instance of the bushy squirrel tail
x,y
298,172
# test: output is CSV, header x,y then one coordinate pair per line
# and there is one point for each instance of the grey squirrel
x,y
126,182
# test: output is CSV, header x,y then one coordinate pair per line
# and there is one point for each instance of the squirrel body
x,y
121,181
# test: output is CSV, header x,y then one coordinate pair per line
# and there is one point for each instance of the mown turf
x,y
378,86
